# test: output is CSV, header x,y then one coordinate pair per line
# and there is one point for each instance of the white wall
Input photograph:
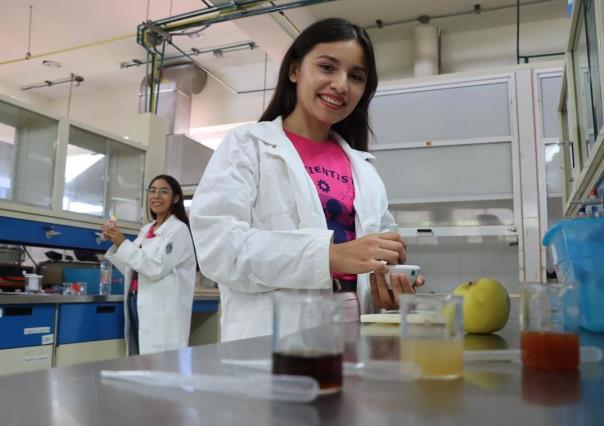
x,y
218,105
111,108
28,97
489,48
461,51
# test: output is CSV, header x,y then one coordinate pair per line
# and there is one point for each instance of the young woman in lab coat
x,y
159,272
292,203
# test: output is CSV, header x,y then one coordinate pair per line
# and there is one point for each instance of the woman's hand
x,y
366,254
384,298
110,232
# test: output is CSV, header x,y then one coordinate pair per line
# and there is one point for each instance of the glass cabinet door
x,y
27,150
126,171
103,177
587,85
85,171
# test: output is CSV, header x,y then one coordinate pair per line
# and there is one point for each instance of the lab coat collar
x,y
272,133
164,225
349,150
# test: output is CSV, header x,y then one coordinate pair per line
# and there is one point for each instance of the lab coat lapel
x,y
367,216
303,189
167,223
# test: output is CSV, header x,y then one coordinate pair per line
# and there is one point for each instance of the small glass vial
x,y
105,269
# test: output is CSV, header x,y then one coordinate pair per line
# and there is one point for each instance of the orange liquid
x,y
548,350
437,359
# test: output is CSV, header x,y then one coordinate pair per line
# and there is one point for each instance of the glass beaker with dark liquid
x,y
308,337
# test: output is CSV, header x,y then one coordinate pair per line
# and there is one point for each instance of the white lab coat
x,y
259,227
166,279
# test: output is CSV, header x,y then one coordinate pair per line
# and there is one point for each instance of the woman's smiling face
x,y
160,197
330,81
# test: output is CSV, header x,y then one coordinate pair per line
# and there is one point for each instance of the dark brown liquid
x,y
325,368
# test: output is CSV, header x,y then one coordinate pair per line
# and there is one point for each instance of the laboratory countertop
x,y
41,298
490,393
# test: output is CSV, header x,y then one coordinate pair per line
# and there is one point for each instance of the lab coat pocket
x,y
277,221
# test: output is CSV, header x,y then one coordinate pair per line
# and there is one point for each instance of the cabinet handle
x,y
18,311
51,232
105,309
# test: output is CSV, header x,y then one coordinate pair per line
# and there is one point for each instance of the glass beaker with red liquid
x,y
549,319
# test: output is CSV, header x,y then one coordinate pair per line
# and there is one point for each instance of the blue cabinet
x,y
26,325
205,306
89,322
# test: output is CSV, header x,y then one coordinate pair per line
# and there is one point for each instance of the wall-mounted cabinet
x,y
28,144
445,150
102,176
581,114
61,172
458,158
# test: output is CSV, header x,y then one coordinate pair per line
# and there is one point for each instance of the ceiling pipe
x,y
47,83
152,34
235,47
222,13
451,15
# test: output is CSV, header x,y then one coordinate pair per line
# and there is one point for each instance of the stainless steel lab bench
x,y
489,394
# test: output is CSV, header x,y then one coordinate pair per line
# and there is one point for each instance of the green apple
x,y
482,342
486,305
486,380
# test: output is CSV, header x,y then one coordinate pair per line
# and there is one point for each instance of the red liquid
x,y
551,388
552,351
325,368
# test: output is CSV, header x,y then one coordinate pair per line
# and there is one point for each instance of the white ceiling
x,y
91,38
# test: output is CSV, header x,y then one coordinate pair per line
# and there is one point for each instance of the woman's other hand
x,y
385,298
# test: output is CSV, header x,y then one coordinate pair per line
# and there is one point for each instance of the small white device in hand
x,y
411,271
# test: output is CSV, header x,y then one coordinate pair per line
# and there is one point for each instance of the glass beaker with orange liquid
x,y
432,334
549,319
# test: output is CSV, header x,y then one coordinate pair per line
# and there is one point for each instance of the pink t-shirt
x,y
329,168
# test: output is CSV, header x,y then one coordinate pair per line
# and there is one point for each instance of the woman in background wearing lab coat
x,y
292,203
159,272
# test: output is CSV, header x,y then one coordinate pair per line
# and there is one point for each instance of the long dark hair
x,y
354,128
178,208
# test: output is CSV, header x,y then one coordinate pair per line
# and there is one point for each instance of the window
x,y
27,154
587,85
85,171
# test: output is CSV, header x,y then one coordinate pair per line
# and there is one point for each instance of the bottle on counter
x,y
105,269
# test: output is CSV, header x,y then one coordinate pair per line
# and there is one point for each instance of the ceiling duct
x,y
185,159
179,82
425,48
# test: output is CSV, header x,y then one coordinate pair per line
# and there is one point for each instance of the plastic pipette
x,y
270,387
